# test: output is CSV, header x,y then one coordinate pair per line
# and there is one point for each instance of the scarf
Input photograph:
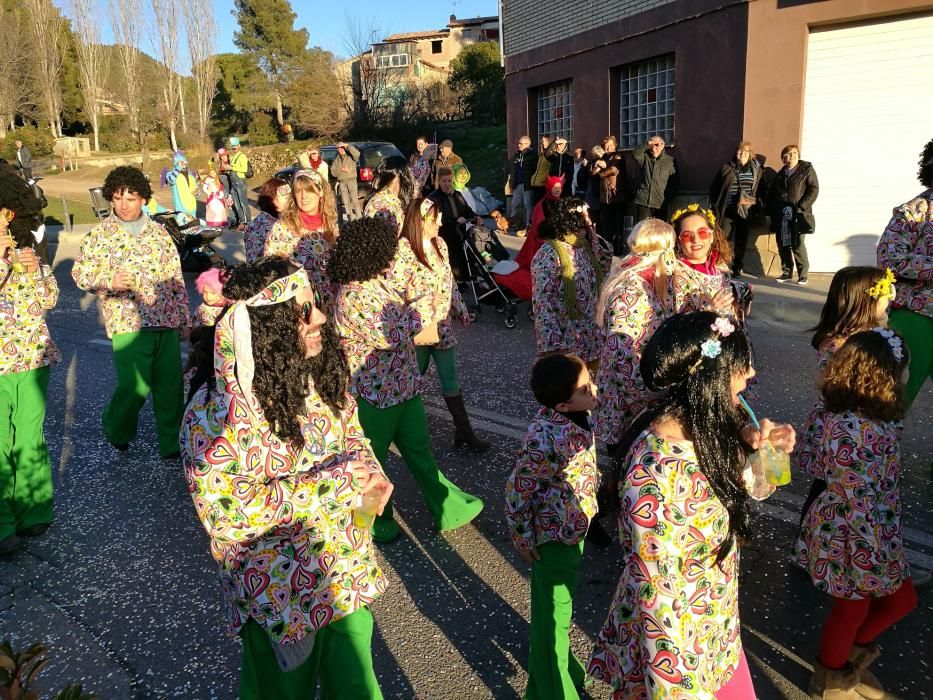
x,y
315,163
708,267
311,222
571,304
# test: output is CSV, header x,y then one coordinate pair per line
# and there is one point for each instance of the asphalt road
x,y
123,591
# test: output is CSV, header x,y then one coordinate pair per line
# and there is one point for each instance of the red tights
x,y
861,621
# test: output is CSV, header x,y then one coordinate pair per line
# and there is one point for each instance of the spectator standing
x,y
542,170
446,158
524,164
420,164
318,164
793,193
560,163
593,183
239,172
23,160
659,180
343,168
732,195
456,214
613,185
581,173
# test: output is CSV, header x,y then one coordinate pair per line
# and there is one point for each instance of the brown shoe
x,y
868,685
831,684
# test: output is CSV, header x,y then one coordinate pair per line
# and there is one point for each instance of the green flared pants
x,y
25,467
146,362
341,662
554,672
917,331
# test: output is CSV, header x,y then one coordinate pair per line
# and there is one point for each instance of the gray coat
x,y
343,168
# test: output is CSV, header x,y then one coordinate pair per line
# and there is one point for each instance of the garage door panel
x,y
868,110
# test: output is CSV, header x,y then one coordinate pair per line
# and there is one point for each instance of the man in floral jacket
x,y
132,266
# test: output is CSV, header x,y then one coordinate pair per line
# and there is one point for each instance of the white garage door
x,y
868,111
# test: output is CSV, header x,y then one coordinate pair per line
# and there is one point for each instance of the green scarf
x,y
566,271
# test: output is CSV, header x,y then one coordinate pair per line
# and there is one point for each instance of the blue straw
x,y
750,412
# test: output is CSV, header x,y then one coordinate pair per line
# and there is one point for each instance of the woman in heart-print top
x,y
673,628
296,565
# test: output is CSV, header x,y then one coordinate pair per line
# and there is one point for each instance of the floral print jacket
x,y
311,250
26,343
906,246
851,540
255,236
279,519
673,626
554,329
158,298
550,495
434,286
385,205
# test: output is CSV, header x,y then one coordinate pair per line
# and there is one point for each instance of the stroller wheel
x,y
510,322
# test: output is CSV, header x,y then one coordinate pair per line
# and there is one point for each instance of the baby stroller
x,y
482,250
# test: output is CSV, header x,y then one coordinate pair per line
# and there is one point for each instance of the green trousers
x,y
917,330
554,672
25,467
406,425
342,663
446,363
146,361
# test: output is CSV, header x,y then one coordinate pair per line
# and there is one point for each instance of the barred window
x,y
646,101
555,110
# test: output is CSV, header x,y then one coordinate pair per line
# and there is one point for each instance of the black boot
x,y
464,434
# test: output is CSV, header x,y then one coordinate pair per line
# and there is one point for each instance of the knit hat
x,y
447,143
212,279
234,141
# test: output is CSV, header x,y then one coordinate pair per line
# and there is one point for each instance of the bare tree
x,y
126,17
367,86
165,41
17,83
85,23
47,31
201,29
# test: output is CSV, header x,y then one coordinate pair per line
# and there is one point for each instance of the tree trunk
x,y
171,137
278,109
95,125
181,108
144,147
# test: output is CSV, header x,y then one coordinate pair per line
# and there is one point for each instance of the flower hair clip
x,y
894,340
694,209
712,348
883,288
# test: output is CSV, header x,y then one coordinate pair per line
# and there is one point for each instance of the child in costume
x,y
215,208
851,541
275,196
379,328
550,498
567,273
131,264
297,569
27,290
210,285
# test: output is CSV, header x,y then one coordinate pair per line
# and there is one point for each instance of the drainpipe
x,y
501,38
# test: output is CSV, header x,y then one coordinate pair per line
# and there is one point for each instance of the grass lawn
x,y
484,152
80,212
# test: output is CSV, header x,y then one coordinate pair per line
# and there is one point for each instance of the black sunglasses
x,y
307,308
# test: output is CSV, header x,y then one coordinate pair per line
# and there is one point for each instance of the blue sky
x,y
326,20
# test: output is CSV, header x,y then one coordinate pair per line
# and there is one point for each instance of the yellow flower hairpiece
x,y
883,288
694,209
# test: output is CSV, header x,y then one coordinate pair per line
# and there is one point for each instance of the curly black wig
x,y
925,173
365,249
391,169
279,352
128,178
566,218
697,393
18,197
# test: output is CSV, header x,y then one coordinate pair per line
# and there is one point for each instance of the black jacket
x,y
453,207
529,162
561,166
799,191
660,180
719,188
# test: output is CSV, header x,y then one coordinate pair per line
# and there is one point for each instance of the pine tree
x,y
267,33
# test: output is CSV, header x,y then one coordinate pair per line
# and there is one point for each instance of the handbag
x,y
745,204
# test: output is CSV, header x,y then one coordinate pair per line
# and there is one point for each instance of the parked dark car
x,y
372,153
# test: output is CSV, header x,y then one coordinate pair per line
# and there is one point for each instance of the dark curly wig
x,y
365,248
128,178
19,198
864,376
391,169
283,375
925,173
699,398
564,219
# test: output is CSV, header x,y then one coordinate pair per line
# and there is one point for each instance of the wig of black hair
x,y
365,249
17,196
126,177
391,169
200,359
566,218
554,378
697,393
925,173
283,375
